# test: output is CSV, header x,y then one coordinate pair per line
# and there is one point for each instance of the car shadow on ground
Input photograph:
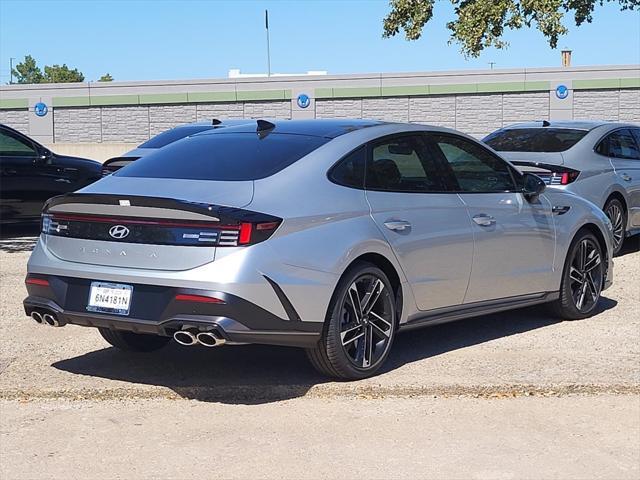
x,y
256,374
631,245
18,238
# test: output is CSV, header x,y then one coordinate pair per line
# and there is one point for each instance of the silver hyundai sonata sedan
x,y
599,161
331,235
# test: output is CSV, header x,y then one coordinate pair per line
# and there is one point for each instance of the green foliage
x,y
106,78
62,74
481,23
29,72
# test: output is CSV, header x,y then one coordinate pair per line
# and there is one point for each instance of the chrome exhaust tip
x,y
37,316
210,339
50,320
185,337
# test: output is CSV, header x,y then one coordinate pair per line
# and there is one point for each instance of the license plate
x,y
110,298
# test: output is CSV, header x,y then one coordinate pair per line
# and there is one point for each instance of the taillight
x,y
563,178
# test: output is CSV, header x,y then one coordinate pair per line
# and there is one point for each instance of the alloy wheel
x,y
585,275
367,321
614,212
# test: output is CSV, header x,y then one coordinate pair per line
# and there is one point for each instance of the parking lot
x,y
513,395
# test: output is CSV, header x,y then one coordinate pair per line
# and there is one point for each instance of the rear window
x,y
170,136
224,156
534,139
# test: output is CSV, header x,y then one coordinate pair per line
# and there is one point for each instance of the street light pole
x,y
11,59
266,24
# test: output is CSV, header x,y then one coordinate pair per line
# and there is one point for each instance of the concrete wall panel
x,y
220,111
596,104
478,115
433,110
18,119
393,109
278,110
343,108
524,107
164,117
125,124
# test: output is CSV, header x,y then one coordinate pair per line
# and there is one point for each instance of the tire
x,y
354,343
133,342
582,278
618,216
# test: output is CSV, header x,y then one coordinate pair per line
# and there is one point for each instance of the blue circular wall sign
x,y
40,109
303,100
562,92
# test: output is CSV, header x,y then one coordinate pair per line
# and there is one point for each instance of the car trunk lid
x,y
176,225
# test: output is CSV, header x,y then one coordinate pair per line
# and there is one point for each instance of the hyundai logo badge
x,y
119,232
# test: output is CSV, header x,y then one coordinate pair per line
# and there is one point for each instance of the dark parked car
x,y
163,139
30,174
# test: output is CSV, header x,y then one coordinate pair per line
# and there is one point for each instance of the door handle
x,y
626,177
397,225
484,220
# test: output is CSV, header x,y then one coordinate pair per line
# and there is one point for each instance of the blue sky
x,y
181,39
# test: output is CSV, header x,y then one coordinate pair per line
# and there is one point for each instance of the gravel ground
x,y
579,382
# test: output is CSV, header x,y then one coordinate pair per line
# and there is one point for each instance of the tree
x,y
106,78
481,23
28,71
62,74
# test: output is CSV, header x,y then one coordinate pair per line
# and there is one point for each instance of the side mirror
x,y
533,186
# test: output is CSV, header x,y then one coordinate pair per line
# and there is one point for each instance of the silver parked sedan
x,y
331,235
599,161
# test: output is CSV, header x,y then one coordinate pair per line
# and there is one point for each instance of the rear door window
x,y
350,170
224,156
542,139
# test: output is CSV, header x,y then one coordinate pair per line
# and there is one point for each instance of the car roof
x,y
328,128
215,122
569,124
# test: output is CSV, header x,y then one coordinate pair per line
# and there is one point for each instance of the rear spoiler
x,y
546,166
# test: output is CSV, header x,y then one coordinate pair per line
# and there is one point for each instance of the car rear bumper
x,y
155,310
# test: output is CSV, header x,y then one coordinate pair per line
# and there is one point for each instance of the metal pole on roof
x,y
266,25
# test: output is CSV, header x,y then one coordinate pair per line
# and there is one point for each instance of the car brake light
x,y
37,281
563,178
184,297
245,233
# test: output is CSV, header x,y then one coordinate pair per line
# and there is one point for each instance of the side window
x,y
474,168
636,134
13,146
350,170
402,164
620,144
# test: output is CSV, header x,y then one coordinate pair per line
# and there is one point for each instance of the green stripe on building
x,y
13,103
596,83
71,101
163,98
254,95
114,100
201,97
